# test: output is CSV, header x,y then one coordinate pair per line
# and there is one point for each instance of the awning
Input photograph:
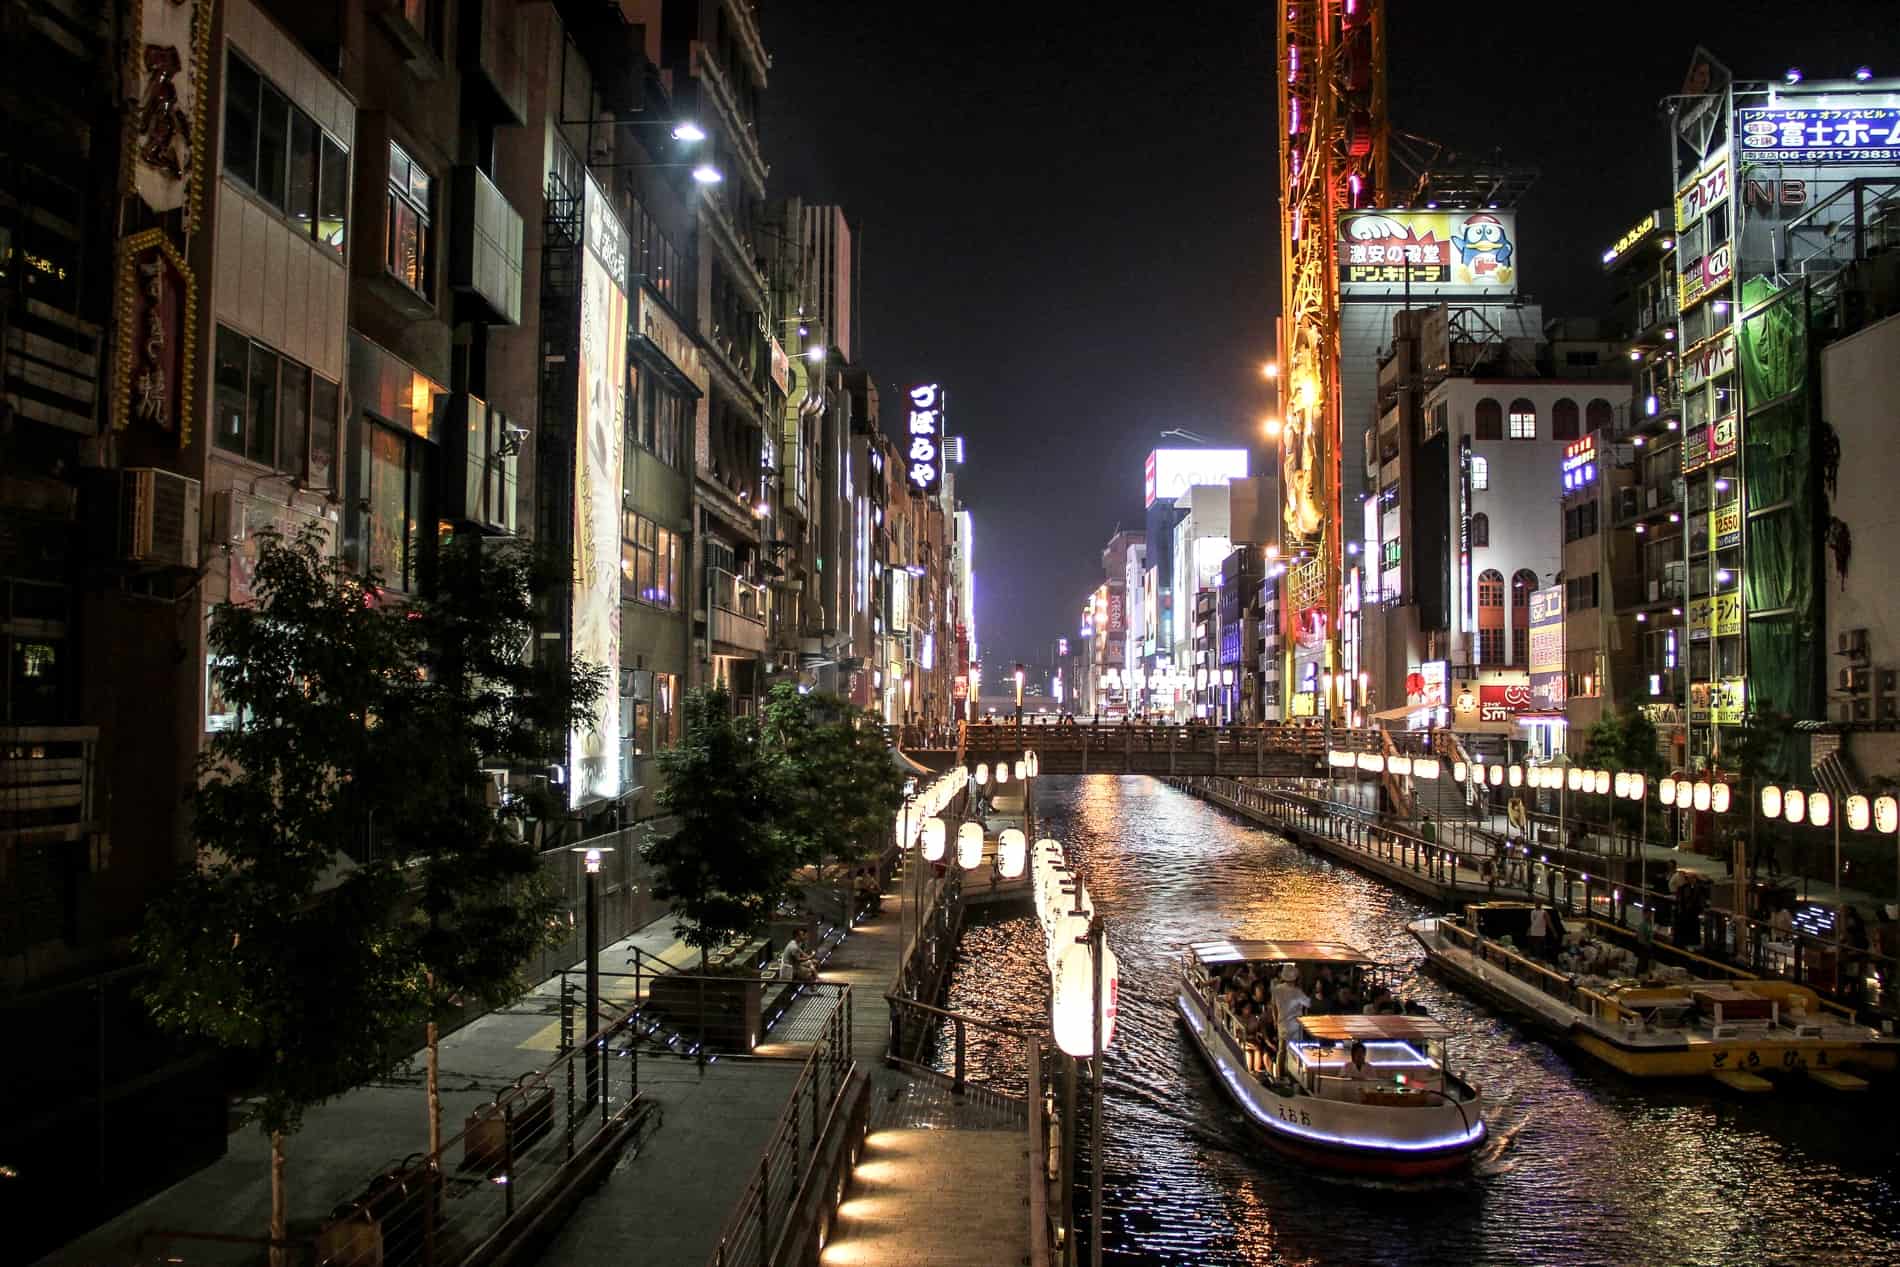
x,y
1402,713
653,358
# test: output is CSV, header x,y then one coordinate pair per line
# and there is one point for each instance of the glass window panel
x,y
333,196
398,168
419,187
301,199
34,675
414,524
240,120
261,444
233,385
323,434
273,145
293,418
386,504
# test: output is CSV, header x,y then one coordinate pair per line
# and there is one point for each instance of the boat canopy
x,y
1349,1027
1219,952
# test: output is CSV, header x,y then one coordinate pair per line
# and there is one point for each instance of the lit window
x,y
1523,420
411,197
1480,474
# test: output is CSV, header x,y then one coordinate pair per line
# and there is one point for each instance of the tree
x,y
478,702
269,948
729,864
1625,742
841,788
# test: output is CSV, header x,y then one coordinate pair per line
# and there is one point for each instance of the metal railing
x,y
914,1023
433,1210
761,1216
47,780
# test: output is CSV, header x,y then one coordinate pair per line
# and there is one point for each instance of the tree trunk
x,y
279,1203
432,1041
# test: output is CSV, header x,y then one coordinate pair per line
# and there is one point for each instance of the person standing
x,y
1538,936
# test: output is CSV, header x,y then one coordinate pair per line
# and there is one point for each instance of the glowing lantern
x,y
1424,767
1794,805
1371,762
1457,772
982,774
1002,773
1035,763
1012,851
1517,776
1497,775
1703,795
1623,784
1072,999
1770,801
1398,765
1575,776
1685,794
1639,786
1668,790
1720,796
1859,812
970,845
1820,809
934,833
1886,813
1340,759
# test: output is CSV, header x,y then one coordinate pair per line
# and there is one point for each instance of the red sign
x,y
1502,703
157,323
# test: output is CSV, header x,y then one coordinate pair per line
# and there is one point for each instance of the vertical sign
x,y
924,454
168,53
1547,648
599,433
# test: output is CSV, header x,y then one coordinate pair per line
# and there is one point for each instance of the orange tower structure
x,y
1333,143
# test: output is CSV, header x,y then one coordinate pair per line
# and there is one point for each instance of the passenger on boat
x,y
1348,999
1289,1001
1356,1068
1382,1003
1324,998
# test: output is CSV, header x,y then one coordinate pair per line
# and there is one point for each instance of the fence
x,y
473,1196
765,1211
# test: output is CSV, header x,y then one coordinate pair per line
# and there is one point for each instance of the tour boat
x,y
1668,1022
1407,1115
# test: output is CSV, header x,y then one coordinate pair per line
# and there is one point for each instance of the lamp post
x,y
590,859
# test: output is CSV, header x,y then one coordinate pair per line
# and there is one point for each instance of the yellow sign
x,y
1636,234
1725,525
1305,704
1701,617
1725,614
1727,701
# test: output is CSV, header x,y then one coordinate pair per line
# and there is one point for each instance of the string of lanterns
x,y
1066,915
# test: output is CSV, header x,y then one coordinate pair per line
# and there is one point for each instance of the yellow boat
x,y
1731,1026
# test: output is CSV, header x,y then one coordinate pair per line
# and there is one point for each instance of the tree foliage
x,y
728,863
841,787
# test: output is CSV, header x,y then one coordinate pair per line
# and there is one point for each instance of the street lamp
x,y
707,174
591,856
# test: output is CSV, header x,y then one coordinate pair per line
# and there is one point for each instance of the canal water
x,y
1584,1167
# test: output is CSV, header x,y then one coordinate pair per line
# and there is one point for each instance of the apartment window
x,y
284,157
1523,420
654,257
395,499
421,17
1491,645
1580,522
274,411
1523,582
1481,532
1480,474
1580,592
662,418
650,562
411,201
1566,420
1491,588
650,716
1489,419
1599,415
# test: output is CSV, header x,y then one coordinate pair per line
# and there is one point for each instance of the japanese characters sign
x,y
1815,134
923,442
1707,360
1503,702
1428,252
1547,648
1706,275
1703,190
1725,525
167,53
158,319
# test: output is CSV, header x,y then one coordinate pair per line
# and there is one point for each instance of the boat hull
x,y
1649,1055
1334,1135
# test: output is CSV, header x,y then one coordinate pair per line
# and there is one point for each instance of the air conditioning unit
x,y
1887,708
1886,681
158,517
1854,681
1851,642
228,526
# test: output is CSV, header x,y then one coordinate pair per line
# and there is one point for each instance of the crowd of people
x,y
1266,1004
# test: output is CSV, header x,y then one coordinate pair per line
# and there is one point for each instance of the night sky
x,y
1068,213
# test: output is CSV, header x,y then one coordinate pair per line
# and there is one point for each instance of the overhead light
x,y
1793,75
1863,73
707,174
816,354
1271,369
802,332
687,130
1721,486
1272,427
1723,576
1636,354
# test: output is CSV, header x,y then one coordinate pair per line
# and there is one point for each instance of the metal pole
x,y
593,982
1097,943
1837,874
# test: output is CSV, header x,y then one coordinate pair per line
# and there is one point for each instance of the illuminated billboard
x,y
1547,648
599,433
1471,253
1817,133
1171,472
924,455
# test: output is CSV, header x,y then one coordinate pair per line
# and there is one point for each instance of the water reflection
x,y
1593,1169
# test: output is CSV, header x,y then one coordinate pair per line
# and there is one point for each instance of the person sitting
x,y
870,892
1323,998
1356,1069
1382,1003
798,963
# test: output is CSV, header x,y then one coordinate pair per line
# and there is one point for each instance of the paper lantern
x,y
1770,801
1517,776
1072,999
1639,786
1398,765
1719,797
1886,813
1424,767
1702,795
1035,763
1623,784
1668,790
1371,762
1820,809
1497,775
1011,852
1859,812
1002,773
1021,770
1794,805
1685,793
970,845
934,835
982,774
1457,772
1339,759
1575,777
1066,930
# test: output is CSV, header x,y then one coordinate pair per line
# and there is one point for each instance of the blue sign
x,y
1816,134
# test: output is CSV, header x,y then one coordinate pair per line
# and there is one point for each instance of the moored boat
x,y
1667,1017
1347,1091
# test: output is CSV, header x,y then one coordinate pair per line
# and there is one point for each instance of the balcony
x,y
47,782
737,613
486,243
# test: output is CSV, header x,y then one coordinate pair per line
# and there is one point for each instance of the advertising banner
x,y
1171,472
1706,275
924,459
1433,674
1547,648
1715,444
158,325
599,436
1725,614
1709,359
1701,619
1728,701
1702,191
1428,252
1725,525
1818,134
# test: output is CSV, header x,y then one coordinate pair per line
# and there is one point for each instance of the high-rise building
x,y
830,244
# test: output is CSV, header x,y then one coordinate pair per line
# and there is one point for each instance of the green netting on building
x,y
1779,591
